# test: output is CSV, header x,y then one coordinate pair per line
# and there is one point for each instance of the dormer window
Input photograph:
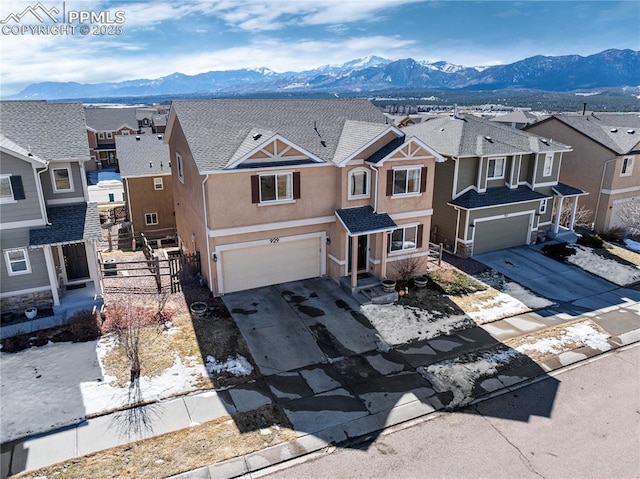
x,y
496,168
358,183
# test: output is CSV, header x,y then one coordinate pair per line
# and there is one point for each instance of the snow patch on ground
x,y
404,324
238,366
581,334
500,306
525,296
609,269
59,384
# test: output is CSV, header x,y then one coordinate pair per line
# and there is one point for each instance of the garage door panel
x,y
271,263
501,233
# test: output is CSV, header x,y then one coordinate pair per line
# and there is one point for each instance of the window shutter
x,y
255,189
419,236
389,182
423,179
296,185
16,186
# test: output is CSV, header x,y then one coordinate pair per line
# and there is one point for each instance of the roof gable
x,y
272,151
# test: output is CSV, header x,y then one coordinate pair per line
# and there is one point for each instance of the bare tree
x,y
584,216
126,324
629,216
408,267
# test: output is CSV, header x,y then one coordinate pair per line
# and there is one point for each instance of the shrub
x,y
455,282
559,251
617,233
591,241
84,325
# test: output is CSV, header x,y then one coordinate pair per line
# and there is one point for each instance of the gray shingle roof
x,y
51,131
355,135
110,119
69,223
469,135
385,150
9,145
496,196
518,116
215,129
364,220
609,129
566,190
134,155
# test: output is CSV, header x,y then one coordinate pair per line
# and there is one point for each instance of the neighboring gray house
x,y
49,230
499,187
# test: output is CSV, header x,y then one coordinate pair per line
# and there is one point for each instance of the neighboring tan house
x,y
606,150
145,167
270,191
498,187
49,230
103,125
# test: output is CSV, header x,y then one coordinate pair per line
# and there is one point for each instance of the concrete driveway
x,y
297,324
559,282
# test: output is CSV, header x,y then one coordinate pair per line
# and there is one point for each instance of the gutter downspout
x,y
206,232
604,170
43,206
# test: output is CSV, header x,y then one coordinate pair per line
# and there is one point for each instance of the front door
x,y
75,261
362,253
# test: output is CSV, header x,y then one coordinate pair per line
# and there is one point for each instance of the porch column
x,y
92,262
574,209
383,255
354,261
53,277
556,226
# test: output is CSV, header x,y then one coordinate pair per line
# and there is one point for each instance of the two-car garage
x,y
271,261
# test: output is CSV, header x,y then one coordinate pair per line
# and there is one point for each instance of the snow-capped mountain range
x,y
611,68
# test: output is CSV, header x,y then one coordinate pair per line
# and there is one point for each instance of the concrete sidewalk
x,y
353,397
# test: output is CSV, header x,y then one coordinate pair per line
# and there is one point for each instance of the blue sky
x,y
193,36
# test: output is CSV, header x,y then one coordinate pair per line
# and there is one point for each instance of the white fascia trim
x,y
391,128
468,188
39,289
266,169
23,224
34,160
150,175
67,201
411,214
439,158
549,183
537,201
340,262
507,215
270,226
269,140
621,190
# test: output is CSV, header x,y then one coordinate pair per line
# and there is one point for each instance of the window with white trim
x,y
627,166
548,165
61,179
158,184
17,260
101,135
406,181
179,167
125,132
278,187
109,135
543,206
404,239
6,191
151,219
358,183
496,168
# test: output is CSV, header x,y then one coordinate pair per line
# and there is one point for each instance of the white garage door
x,y
501,233
272,263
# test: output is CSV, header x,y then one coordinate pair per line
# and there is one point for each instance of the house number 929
x,y
274,240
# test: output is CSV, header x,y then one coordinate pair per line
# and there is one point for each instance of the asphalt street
x,y
593,431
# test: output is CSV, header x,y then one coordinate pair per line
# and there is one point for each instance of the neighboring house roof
x,y
619,132
565,190
159,120
496,196
50,131
364,220
136,153
111,119
471,136
518,116
68,224
10,147
216,129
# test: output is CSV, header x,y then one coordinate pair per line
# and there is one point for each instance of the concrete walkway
x,y
332,401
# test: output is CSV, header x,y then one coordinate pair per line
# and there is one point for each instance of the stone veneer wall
x,y
20,302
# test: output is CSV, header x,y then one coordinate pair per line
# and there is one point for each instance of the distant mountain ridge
x,y
610,68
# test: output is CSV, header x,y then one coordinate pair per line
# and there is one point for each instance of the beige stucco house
x,y
270,191
605,148
499,186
